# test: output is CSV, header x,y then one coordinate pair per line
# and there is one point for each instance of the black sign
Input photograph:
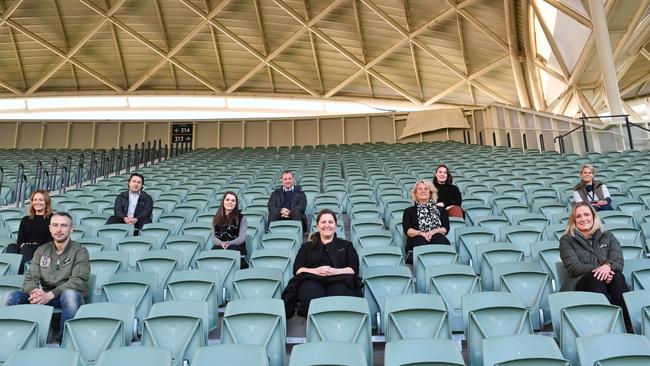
x,y
182,133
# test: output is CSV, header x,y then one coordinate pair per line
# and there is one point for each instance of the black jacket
x,y
342,254
143,210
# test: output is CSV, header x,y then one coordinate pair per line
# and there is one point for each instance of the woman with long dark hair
x,y
229,225
34,229
449,197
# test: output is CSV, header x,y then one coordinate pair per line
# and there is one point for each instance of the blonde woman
x,y
34,229
592,256
425,222
592,191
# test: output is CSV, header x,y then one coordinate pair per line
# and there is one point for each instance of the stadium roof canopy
x,y
384,54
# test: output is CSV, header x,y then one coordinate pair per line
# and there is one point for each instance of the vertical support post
x,y
629,132
605,57
584,134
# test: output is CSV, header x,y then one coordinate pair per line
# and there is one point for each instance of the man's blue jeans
x,y
69,302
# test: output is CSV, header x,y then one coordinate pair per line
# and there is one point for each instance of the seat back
x,y
136,246
230,354
274,258
637,273
179,326
379,256
613,349
428,351
103,265
340,319
416,316
134,288
226,262
490,314
531,350
531,285
98,327
638,306
135,356
39,315
382,282
467,239
452,281
161,262
257,322
9,263
328,353
40,356
189,245
580,314
491,254
255,283
431,255
9,284
375,238
196,285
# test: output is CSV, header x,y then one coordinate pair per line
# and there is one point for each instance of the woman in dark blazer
x,y
593,257
324,266
424,222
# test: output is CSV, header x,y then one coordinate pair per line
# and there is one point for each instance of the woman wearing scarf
x,y
425,222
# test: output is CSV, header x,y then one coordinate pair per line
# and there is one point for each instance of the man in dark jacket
x,y
288,202
133,207
59,273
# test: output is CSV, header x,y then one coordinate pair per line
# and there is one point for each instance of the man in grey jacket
x,y
59,273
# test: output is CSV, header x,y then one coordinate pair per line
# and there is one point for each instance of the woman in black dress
x,y
34,229
324,266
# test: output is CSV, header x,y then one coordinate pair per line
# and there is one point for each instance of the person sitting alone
x,y
59,272
133,206
425,222
324,266
288,202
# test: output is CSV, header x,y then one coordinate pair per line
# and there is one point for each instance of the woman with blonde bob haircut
x,y
34,229
425,222
592,257
591,190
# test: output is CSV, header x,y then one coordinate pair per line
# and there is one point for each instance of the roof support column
x,y
605,57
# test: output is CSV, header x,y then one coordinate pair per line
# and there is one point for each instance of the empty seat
x,y
97,244
531,285
328,353
162,263
379,256
638,306
340,319
281,259
103,265
280,240
613,350
382,282
489,255
637,273
44,356
533,350
226,262
255,283
230,354
467,239
9,284
258,322
452,281
9,263
179,326
431,351
197,285
134,288
431,255
98,327
22,327
136,246
490,314
522,236
576,314
415,316
135,356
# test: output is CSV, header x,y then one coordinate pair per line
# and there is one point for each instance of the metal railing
x,y
628,125
114,162
560,138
